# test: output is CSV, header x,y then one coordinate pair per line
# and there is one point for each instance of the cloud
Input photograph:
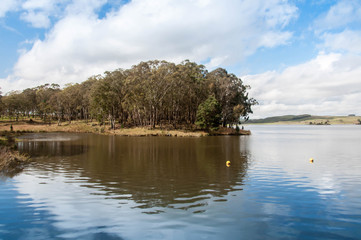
x,y
37,19
36,12
340,15
7,6
215,32
329,84
339,28
347,40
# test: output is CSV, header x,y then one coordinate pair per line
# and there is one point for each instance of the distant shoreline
x,y
308,120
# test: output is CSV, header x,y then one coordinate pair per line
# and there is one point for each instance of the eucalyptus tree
x,y
231,94
209,114
193,91
13,104
151,85
43,95
138,96
30,103
107,96
85,91
57,106
152,93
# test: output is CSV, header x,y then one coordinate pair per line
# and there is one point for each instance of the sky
x,y
298,56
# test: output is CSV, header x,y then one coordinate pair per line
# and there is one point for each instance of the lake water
x,y
83,186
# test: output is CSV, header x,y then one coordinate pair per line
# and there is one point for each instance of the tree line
x,y
153,93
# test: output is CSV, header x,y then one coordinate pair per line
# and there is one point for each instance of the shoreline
x,y
311,120
12,161
91,127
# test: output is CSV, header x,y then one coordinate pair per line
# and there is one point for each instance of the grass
x,y
24,126
11,161
92,127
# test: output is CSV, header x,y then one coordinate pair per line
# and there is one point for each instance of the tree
x,y
107,96
85,90
209,114
194,89
43,95
152,93
14,104
232,96
30,103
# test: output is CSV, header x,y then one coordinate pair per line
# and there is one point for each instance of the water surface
x,y
83,186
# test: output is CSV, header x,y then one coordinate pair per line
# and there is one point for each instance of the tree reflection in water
x,y
167,172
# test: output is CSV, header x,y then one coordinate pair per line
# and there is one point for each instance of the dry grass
x,y
25,127
83,127
92,127
11,161
334,120
154,132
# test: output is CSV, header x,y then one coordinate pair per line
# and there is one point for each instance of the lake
x,y
84,186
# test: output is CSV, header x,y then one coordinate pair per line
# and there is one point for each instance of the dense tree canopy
x,y
153,93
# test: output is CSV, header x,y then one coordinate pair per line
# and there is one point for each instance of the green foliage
x,y
232,96
209,114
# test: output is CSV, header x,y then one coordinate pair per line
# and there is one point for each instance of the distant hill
x,y
285,118
306,119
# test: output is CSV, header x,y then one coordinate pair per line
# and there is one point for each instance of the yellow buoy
x,y
311,160
228,163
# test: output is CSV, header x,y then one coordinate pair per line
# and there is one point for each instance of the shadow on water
x,y
167,172
178,173
51,144
51,149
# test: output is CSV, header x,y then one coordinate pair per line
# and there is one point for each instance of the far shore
x,y
307,120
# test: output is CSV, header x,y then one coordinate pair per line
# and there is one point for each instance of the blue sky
x,y
298,56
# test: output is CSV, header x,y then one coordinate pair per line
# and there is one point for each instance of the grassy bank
x,y
92,127
11,161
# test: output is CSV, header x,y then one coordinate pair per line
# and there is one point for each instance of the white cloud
x,y
7,6
35,12
222,32
349,41
339,28
37,19
329,84
340,15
